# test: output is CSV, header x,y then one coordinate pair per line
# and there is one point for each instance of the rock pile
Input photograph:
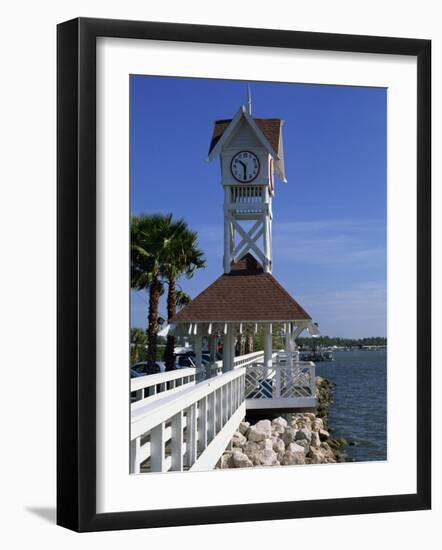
x,y
302,440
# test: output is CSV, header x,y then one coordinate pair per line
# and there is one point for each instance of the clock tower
x,y
251,153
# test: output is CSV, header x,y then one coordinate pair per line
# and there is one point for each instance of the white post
x,y
212,351
268,347
177,442
288,337
232,349
267,350
157,447
191,435
212,348
227,339
197,348
135,446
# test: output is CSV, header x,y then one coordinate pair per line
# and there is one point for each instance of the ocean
x,y
359,410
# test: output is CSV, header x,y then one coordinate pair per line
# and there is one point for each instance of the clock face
x,y
245,166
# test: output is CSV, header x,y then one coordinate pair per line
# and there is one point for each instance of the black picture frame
x,y
76,273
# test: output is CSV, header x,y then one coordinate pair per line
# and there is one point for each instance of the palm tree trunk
x,y
152,329
171,311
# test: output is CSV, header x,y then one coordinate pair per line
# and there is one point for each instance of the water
x,y
359,411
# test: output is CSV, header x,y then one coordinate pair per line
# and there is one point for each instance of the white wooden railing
x,y
188,430
281,381
149,388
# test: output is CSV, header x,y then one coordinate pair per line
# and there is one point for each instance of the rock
x,y
243,427
315,440
303,433
267,457
305,444
288,436
317,425
310,416
238,439
241,460
251,449
278,445
293,455
260,431
316,456
324,435
279,424
226,461
266,444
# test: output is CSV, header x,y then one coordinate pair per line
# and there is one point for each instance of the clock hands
x,y
244,166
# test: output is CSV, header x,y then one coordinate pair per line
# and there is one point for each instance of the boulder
x,y
279,424
251,449
317,425
324,435
226,461
265,444
305,444
241,460
243,427
315,441
260,431
303,433
293,455
316,456
267,457
278,445
288,436
238,439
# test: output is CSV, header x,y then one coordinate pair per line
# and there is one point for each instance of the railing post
x,y
219,409
202,424
135,446
277,386
211,413
191,435
177,442
312,381
157,448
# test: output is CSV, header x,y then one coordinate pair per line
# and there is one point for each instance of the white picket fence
x,y
189,430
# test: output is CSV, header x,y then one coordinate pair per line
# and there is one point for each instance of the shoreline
x,y
289,439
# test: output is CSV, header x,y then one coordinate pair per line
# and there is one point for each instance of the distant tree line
x,y
328,341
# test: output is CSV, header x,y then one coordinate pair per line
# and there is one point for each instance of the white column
x,y
227,350
288,337
232,350
197,348
212,348
268,346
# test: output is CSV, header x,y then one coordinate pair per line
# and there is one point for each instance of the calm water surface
x,y
359,410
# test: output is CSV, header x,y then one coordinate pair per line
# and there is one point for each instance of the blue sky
x,y
329,228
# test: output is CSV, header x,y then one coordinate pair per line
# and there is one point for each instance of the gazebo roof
x,y
245,294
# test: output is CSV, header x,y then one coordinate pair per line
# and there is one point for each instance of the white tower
x,y
251,151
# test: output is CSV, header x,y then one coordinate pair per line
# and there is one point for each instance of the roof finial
x,y
249,99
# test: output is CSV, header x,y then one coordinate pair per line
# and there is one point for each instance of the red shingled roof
x,y
244,294
270,127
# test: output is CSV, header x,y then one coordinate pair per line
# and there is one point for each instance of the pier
x,y
179,424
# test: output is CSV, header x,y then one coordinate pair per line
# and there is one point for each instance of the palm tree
x,y
148,246
183,258
138,344
162,249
